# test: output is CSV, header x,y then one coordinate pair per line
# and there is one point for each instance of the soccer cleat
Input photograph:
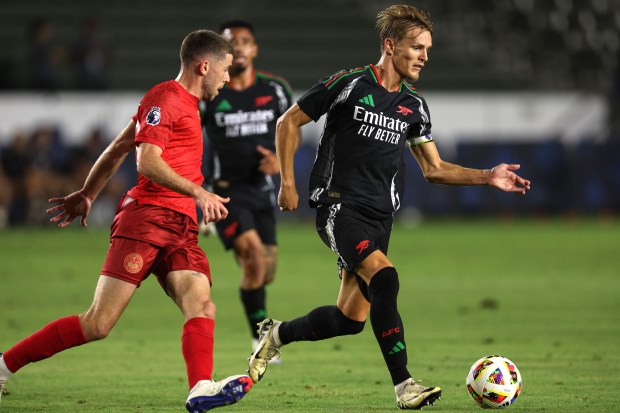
x,y
275,360
265,350
3,389
209,394
414,396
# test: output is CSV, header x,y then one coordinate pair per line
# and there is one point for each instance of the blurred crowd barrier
x,y
49,142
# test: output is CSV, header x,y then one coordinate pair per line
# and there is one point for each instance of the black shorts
x,y
352,235
243,218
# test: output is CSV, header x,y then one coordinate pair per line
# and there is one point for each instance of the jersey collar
x,y
403,85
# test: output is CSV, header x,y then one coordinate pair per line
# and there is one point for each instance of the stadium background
x,y
519,81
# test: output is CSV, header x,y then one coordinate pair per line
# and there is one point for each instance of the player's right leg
x,y
111,298
345,318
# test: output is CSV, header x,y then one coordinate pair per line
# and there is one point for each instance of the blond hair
x,y
395,21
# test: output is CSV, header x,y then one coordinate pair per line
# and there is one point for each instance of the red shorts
x,y
149,239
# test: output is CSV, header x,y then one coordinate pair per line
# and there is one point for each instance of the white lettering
x,y
240,117
366,130
362,115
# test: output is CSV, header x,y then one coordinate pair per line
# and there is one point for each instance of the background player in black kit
x,y
240,127
355,186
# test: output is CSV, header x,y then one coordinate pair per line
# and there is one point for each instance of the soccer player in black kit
x,y
372,112
240,127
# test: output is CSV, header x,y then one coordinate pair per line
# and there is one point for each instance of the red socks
x,y
64,333
55,337
197,347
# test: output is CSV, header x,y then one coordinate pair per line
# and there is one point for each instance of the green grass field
x,y
545,293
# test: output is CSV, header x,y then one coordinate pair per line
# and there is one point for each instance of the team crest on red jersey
x,y
403,110
154,116
262,100
133,263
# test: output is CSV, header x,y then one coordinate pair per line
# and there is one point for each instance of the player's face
x,y
411,53
244,46
216,77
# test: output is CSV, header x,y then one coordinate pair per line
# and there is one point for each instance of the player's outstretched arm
x,y
287,142
438,171
78,203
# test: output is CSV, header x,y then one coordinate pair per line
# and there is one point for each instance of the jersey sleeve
x,y
420,132
320,98
284,94
156,117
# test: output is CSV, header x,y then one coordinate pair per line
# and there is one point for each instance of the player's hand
x,y
269,162
502,177
212,206
71,206
288,199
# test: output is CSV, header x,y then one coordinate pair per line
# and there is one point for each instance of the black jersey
x,y
359,158
236,122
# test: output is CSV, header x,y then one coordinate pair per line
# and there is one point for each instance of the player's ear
x,y
388,46
204,67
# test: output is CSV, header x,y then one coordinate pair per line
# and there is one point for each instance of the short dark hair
x,y
237,23
201,43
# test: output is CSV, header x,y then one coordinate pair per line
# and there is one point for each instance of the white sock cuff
x,y
275,334
4,370
399,387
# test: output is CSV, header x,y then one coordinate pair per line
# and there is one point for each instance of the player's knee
x,y
270,273
95,329
270,263
348,326
209,309
384,284
253,261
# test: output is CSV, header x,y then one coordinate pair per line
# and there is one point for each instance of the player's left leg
x,y
383,286
250,253
191,291
271,260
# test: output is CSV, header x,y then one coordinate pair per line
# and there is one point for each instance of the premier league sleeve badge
x,y
154,116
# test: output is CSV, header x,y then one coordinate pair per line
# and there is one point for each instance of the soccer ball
x,y
494,382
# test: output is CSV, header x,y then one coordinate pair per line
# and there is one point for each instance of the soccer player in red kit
x,y
155,229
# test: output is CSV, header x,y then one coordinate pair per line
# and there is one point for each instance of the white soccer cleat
x,y
275,360
3,389
266,349
209,394
414,396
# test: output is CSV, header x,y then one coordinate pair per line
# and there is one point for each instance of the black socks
x,y
254,306
386,322
319,324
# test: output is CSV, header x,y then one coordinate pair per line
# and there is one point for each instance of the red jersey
x,y
168,117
